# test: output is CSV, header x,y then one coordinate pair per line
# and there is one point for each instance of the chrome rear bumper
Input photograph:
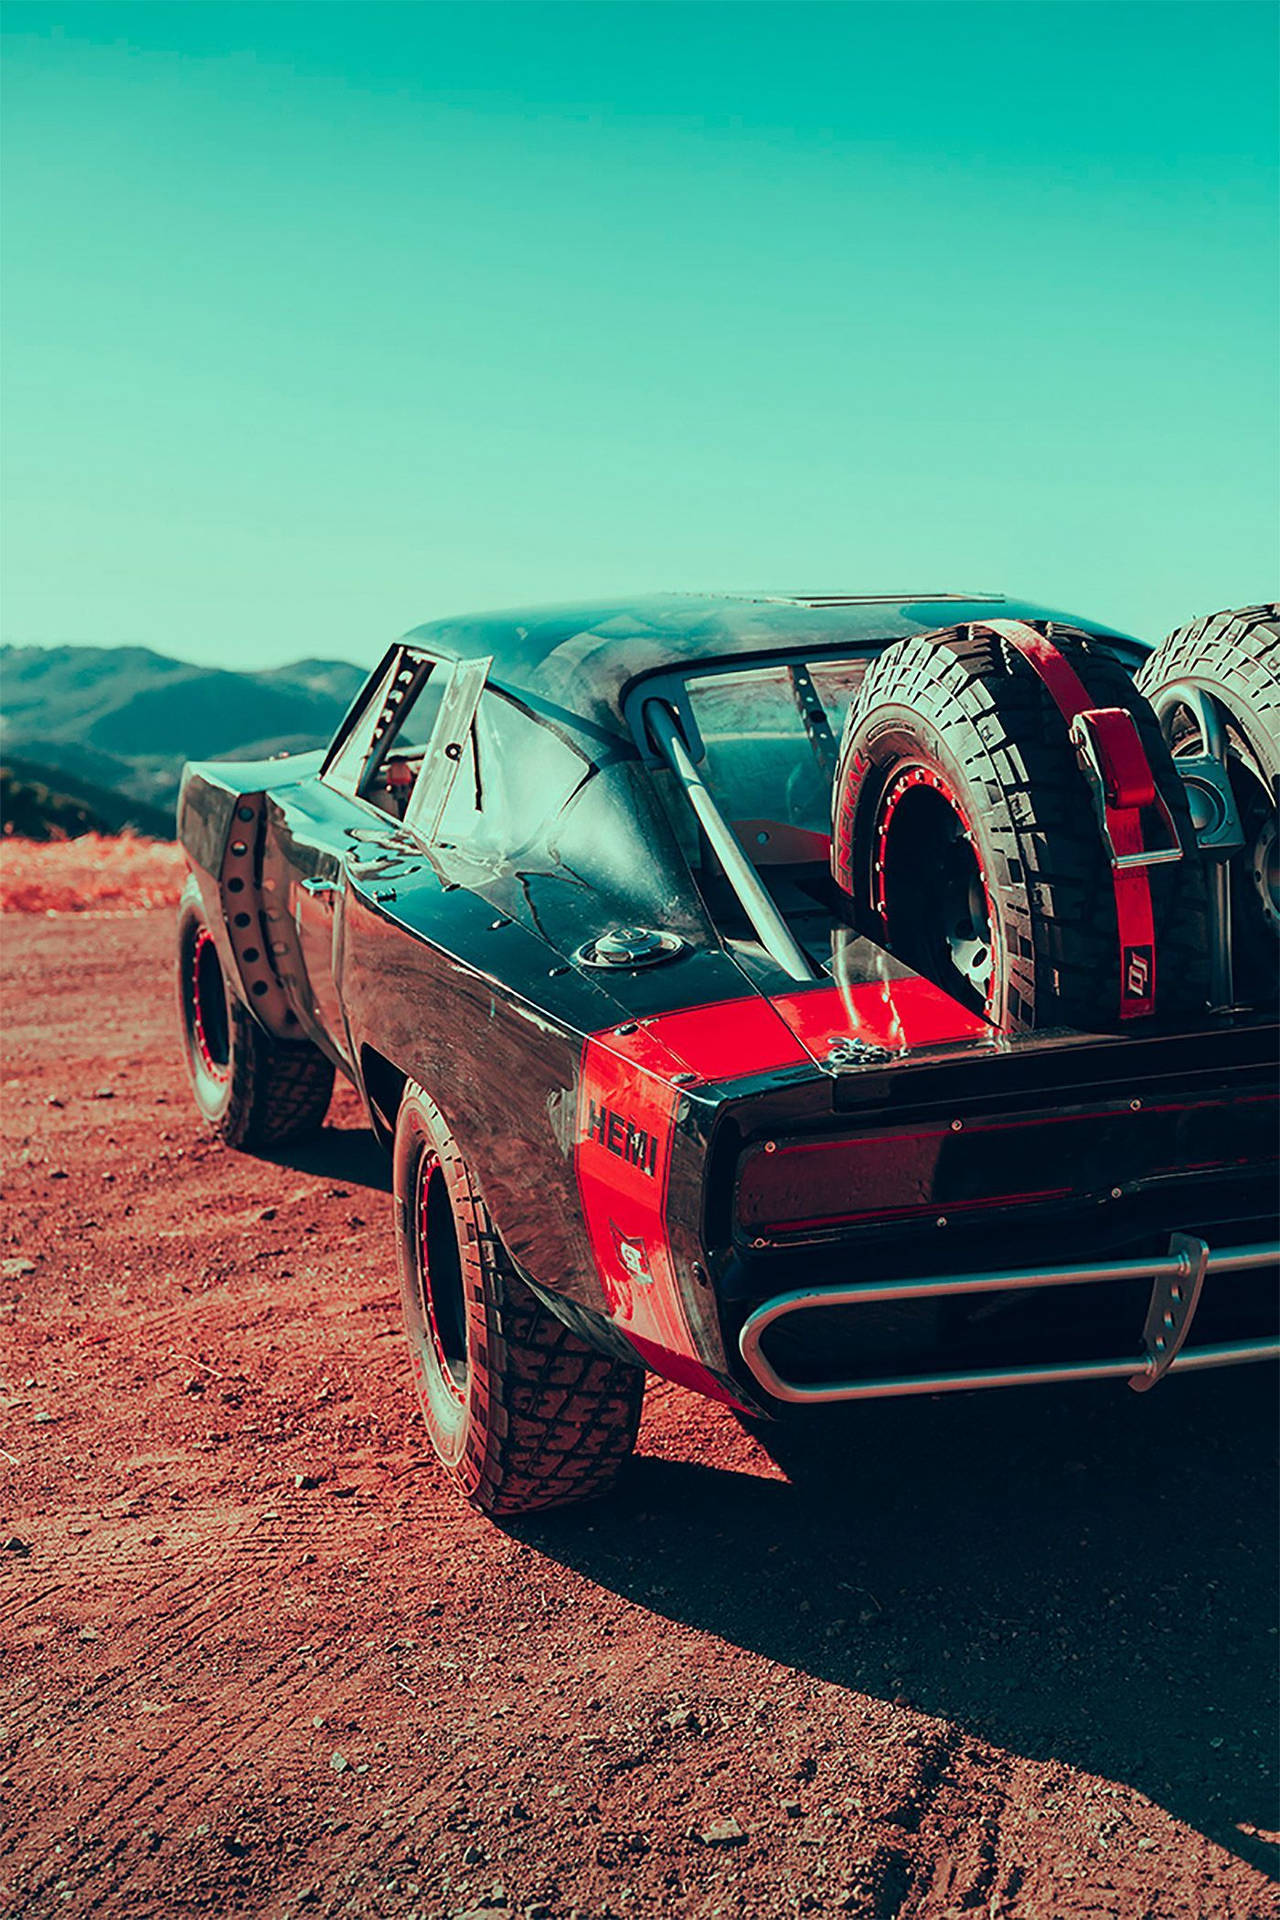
x,y
1176,1279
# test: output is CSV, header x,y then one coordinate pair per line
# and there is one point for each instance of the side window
x,y
514,776
400,743
382,757
343,771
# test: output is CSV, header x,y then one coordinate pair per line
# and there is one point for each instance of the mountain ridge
x,y
123,719
45,803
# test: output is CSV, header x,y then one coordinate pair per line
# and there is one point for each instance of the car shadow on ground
x,y
1082,1574
349,1155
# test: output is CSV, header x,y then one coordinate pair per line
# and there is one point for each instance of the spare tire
x,y
967,834
1234,659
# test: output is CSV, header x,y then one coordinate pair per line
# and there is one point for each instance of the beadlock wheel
x,y
435,1304
209,1021
931,886
441,1281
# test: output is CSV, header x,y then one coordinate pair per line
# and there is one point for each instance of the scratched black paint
x,y
453,960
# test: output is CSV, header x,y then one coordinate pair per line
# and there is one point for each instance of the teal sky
x,y
322,320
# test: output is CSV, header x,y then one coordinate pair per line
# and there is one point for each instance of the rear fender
x,y
222,829
539,1110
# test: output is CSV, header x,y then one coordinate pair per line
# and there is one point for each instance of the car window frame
x,y
355,736
358,749
423,668
442,755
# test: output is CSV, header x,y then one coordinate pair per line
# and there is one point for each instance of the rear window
x,y
771,735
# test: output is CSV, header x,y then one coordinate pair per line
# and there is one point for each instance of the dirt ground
x,y
993,1657
93,873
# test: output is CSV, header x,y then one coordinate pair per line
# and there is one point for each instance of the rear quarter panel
x,y
502,1070
223,829
507,1072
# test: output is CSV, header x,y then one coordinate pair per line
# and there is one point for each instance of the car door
x,y
345,828
451,979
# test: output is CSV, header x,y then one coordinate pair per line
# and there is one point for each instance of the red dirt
x,y
95,872
1010,1656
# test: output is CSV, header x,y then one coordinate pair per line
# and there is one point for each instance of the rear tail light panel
x,y
796,1189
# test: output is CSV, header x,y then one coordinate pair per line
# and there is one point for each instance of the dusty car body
x,y
720,1131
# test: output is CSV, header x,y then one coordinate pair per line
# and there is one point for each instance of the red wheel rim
x,y
209,1028
950,930
445,1319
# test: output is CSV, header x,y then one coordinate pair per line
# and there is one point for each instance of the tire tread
x,y
550,1419
981,697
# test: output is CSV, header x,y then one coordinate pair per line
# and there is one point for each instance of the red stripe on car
x,y
622,1157
1135,787
896,1014
736,1039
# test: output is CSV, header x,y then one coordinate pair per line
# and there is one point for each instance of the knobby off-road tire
x,y
255,1090
522,1413
967,835
1234,657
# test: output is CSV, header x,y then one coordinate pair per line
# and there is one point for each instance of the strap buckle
x,y
1111,758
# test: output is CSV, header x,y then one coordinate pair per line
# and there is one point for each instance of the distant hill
x,y
40,803
124,719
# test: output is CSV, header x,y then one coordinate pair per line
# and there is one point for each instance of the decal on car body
x,y
622,1155
626,1117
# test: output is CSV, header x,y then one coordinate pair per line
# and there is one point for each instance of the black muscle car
x,y
805,998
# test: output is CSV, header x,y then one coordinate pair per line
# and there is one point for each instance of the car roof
x,y
582,659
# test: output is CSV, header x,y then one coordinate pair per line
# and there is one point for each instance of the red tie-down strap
x,y
1114,761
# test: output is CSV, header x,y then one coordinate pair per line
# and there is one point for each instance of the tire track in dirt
x,y
178,1769
189,1764
12,1615
176,1628
181,1607
959,1864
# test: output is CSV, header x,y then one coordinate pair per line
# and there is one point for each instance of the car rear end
x,y
1002,1212
1038,1141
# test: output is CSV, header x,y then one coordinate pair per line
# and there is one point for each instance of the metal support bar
x,y
775,935
814,718
1186,1263
1171,1310
1214,815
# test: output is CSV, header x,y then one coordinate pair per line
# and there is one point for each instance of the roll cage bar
x,y
753,896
